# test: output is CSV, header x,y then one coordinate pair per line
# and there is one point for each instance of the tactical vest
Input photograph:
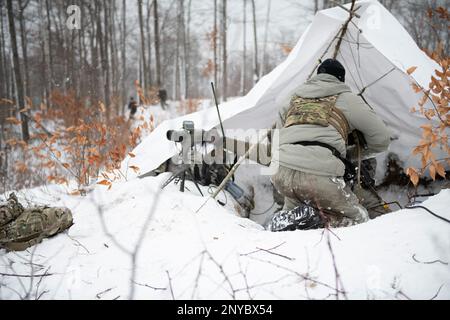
x,y
317,111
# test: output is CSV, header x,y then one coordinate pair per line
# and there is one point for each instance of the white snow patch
x,y
375,259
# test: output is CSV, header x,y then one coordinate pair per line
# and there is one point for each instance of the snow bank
x,y
214,254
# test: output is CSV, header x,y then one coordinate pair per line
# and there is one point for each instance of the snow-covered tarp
x,y
376,51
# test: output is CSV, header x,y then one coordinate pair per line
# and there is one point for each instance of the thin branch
x,y
150,287
429,262
100,294
338,280
256,251
351,12
197,279
170,286
344,29
26,275
302,276
277,254
437,293
79,244
226,278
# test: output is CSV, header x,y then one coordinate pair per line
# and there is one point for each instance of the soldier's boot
x,y
303,217
10,210
33,226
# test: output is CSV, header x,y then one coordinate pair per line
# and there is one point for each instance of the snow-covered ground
x,y
136,241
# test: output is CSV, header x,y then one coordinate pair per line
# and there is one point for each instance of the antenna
x,y
217,108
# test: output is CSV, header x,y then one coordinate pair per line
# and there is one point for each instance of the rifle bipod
x,y
180,176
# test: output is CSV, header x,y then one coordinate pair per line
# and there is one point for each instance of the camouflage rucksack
x,y
317,111
32,226
10,210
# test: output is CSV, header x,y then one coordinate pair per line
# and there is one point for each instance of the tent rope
x,y
377,80
319,62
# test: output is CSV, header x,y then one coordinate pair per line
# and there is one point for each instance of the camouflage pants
x,y
368,200
340,205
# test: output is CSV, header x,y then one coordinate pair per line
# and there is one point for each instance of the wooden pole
x,y
344,30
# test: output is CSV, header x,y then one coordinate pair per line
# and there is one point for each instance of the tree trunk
x,y
19,83
177,75
266,34
124,49
24,46
106,59
101,49
2,72
81,71
244,49
114,51
255,38
50,43
156,31
187,51
141,29
224,51
45,86
4,90
215,31
149,44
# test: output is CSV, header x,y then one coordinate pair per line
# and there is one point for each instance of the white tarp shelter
x,y
376,52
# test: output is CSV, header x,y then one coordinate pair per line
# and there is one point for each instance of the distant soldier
x,y
132,106
162,95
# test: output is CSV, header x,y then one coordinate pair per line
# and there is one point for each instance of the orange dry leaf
x,y
433,172
104,183
13,121
411,70
135,169
414,176
440,169
427,130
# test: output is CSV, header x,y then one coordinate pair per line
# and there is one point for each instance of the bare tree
x,y
4,90
215,31
22,6
17,74
143,55
266,34
105,58
187,49
50,43
244,48
124,51
255,38
224,52
149,43
179,31
157,40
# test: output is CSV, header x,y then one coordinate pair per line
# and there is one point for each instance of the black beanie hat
x,y
333,67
